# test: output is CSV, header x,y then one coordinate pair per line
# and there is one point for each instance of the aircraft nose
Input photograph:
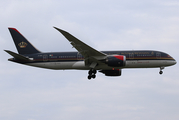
x,y
174,62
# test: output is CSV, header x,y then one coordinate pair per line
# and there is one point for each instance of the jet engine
x,y
116,60
112,72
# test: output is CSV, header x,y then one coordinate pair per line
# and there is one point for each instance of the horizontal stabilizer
x,y
17,56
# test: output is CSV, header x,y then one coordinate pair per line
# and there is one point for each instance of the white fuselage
x,y
81,65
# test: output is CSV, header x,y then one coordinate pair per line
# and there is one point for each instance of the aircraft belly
x,y
48,65
60,65
147,63
80,65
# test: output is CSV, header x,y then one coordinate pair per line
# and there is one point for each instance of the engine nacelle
x,y
112,72
116,60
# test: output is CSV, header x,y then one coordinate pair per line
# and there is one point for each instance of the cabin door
x,y
45,57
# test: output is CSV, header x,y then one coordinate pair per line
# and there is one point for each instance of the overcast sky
x,y
29,93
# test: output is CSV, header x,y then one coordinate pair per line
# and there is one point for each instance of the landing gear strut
x,y
92,74
161,72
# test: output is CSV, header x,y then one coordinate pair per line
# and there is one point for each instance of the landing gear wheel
x,y
89,77
92,71
92,74
161,72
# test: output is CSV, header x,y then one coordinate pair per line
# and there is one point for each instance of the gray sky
x,y
28,93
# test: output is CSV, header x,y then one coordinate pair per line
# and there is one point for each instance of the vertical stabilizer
x,y
22,44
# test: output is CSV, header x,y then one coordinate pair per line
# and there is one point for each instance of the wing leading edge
x,y
91,55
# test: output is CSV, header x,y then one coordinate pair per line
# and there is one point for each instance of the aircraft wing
x,y
90,55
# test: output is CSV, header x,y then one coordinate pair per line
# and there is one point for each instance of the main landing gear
x,y
161,72
92,74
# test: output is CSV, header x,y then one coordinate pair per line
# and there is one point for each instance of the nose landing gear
x,y
92,74
161,72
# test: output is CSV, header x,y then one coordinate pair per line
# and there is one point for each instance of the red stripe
x,y
120,57
15,30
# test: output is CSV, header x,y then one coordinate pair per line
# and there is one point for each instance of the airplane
x,y
109,63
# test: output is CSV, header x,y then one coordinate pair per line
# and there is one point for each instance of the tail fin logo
x,y
22,45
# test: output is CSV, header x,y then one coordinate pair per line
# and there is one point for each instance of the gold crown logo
x,y
22,45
